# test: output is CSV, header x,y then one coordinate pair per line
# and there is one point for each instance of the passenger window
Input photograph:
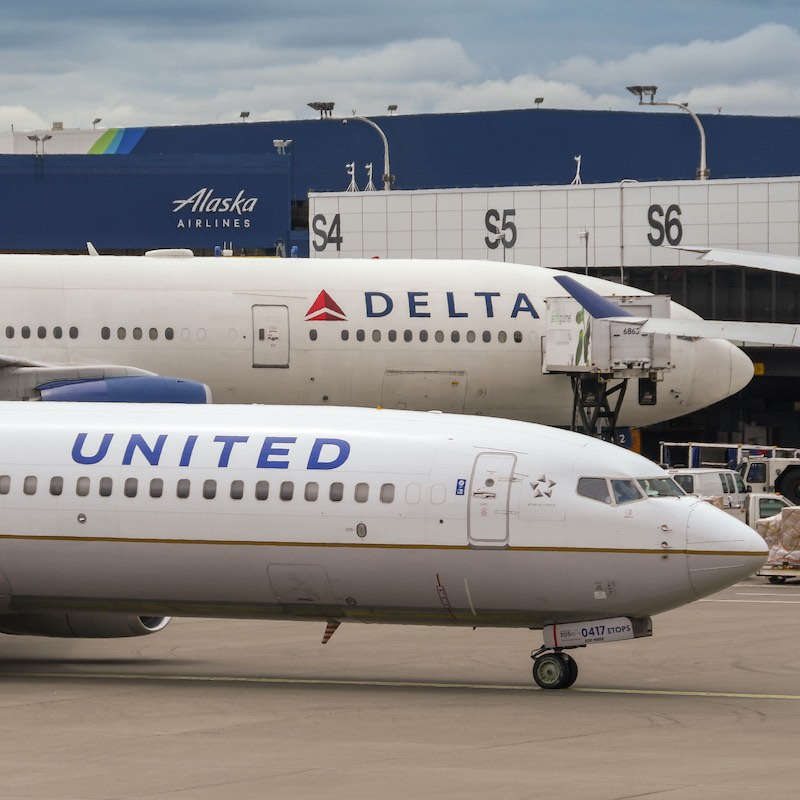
x,y
376,336
407,336
287,490
41,332
423,336
392,335
262,490
336,492
29,484
594,489
209,489
56,485
312,491
169,334
105,333
156,487
131,487
183,488
625,491
105,487
413,493
387,493
518,336
360,336
137,334
345,335
26,332
502,337
73,332
455,337
5,484
470,336
57,332
439,336
312,334
487,336
121,333
739,483
438,493
82,486
237,490
153,334
361,493
9,332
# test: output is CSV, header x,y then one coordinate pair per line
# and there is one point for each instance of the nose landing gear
x,y
554,669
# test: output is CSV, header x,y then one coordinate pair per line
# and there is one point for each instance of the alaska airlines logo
x,y
422,305
325,309
203,201
214,212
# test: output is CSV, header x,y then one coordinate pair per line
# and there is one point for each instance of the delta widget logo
x,y
325,309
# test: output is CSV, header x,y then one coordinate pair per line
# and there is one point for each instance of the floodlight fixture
x,y
538,101
244,115
96,120
280,145
325,107
649,92
391,108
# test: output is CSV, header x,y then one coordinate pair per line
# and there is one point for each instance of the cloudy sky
x,y
160,62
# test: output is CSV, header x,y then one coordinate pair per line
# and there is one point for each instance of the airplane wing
x,y
757,333
744,258
25,379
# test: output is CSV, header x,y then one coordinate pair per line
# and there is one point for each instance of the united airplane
x,y
116,517
457,336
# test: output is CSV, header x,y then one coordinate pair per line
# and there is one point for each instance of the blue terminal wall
x,y
505,148
126,194
137,202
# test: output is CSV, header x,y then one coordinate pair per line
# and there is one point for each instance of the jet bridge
x,y
601,356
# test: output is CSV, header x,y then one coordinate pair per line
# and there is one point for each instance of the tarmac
x,y
208,709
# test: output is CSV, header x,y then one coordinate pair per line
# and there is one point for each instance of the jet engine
x,y
81,624
125,389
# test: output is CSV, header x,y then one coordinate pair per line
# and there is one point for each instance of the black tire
x,y
777,579
551,671
572,670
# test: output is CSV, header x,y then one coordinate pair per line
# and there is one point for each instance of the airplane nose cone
x,y
717,370
722,550
741,369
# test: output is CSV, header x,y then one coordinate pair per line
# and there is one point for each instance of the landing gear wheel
x,y
777,579
554,671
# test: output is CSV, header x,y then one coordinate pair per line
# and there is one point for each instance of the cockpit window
x,y
625,491
595,489
686,482
661,487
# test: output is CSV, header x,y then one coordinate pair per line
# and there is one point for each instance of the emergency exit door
x,y
270,336
489,496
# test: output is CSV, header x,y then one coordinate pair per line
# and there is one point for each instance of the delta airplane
x,y
455,336
117,516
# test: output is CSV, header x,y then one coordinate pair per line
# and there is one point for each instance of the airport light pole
x,y
649,92
326,112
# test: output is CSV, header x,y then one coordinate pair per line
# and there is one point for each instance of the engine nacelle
x,y
126,389
81,624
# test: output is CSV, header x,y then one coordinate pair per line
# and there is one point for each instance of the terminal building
x,y
606,193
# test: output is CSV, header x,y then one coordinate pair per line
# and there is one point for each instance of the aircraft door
x,y
489,495
270,336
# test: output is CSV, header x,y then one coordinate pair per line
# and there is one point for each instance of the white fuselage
x,y
340,513
455,336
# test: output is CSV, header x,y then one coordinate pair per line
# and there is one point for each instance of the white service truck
x,y
776,474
